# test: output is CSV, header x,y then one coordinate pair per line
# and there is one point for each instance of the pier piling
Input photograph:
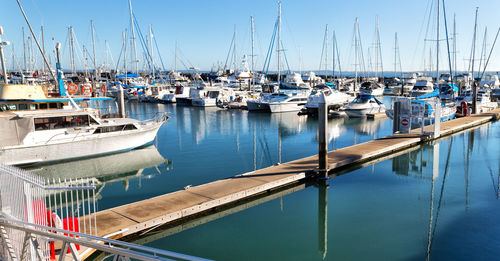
x,y
322,138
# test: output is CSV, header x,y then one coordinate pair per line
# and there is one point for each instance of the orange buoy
x,y
72,88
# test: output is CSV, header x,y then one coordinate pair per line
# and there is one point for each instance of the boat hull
x,y
79,147
285,106
257,106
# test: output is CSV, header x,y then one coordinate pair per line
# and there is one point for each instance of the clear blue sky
x,y
204,28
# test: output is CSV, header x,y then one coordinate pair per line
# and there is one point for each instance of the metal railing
x,y
35,213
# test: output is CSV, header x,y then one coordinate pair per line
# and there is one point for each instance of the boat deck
x,y
148,214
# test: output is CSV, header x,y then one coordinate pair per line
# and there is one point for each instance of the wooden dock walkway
x,y
148,214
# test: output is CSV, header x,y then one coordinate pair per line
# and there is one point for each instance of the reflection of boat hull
x,y
362,112
104,167
80,147
285,106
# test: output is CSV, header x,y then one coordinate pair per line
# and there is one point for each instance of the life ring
x,y
72,88
86,90
103,89
135,93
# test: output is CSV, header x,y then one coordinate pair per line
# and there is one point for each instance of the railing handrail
x,y
106,245
11,171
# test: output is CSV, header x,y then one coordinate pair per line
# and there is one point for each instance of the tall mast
x,y
334,44
483,51
437,43
279,41
474,91
454,45
234,50
356,54
376,47
395,52
24,50
326,48
253,32
151,50
93,48
175,60
85,60
133,36
71,49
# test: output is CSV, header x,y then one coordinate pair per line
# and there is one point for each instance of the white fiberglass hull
x,y
79,147
203,102
360,112
285,106
374,92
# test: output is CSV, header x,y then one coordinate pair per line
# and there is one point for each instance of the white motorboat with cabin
x,y
422,86
292,102
180,91
333,98
37,129
362,105
372,88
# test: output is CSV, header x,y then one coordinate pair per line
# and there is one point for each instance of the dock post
x,y
322,137
121,103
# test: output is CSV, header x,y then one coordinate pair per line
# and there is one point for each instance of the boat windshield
x,y
361,99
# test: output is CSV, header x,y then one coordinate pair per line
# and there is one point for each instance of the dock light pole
x,y
322,137
4,68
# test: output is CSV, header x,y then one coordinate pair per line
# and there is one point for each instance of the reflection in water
x,y
107,169
323,218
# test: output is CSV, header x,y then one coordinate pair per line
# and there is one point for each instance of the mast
x,y
376,47
483,51
93,48
474,91
24,51
455,45
334,43
71,49
326,48
437,43
85,60
395,52
175,60
133,37
151,49
279,41
356,54
234,50
253,33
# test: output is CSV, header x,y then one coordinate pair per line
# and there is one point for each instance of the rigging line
x,y
491,51
120,56
158,51
142,41
229,52
270,50
446,171
284,55
417,43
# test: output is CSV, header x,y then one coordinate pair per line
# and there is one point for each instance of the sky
x,y
204,30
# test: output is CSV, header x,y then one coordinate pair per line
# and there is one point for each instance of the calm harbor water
x,y
439,200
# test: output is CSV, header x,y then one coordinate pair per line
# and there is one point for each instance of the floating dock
x,y
145,215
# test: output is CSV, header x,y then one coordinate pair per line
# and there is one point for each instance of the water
x,y
382,211
439,201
